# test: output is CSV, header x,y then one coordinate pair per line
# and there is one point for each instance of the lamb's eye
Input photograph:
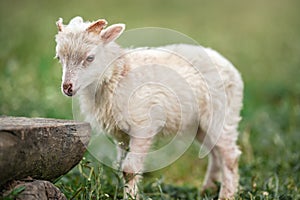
x,y
90,58
58,58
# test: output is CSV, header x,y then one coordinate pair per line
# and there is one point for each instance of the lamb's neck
x,y
89,91
87,102
96,98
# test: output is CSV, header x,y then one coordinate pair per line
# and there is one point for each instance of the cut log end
x,y
40,148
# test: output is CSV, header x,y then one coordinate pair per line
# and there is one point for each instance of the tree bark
x,y
40,148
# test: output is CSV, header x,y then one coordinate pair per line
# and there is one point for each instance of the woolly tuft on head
x,y
75,25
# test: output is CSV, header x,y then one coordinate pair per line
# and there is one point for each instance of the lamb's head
x,y
84,49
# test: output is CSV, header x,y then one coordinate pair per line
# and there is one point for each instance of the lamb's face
x,y
79,48
76,52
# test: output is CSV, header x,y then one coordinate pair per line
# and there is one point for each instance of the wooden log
x,y
40,148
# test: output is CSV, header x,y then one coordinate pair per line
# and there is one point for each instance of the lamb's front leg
x,y
133,164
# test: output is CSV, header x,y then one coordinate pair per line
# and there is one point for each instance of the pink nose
x,y
68,89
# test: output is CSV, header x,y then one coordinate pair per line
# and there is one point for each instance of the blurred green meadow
x,y
261,38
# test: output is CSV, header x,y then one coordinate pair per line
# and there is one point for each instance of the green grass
x,y
262,38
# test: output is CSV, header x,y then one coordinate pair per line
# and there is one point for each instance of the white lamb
x,y
104,76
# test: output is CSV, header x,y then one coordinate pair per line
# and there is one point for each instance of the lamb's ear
x,y
112,32
60,25
97,26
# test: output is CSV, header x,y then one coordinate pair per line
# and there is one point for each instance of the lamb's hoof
x,y
210,189
226,196
128,195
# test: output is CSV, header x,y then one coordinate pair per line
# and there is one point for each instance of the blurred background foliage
x,y
261,38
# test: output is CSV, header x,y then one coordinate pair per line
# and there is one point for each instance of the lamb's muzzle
x,y
68,89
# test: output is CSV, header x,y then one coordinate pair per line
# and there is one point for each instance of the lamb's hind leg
x,y
229,154
213,169
223,158
133,165
212,175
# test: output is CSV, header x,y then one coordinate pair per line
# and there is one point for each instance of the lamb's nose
x,y
68,89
